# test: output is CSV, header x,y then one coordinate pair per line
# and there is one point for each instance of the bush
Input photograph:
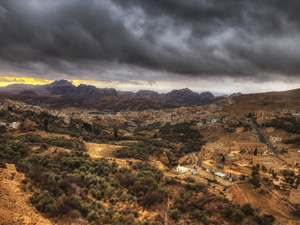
x,y
227,212
44,202
247,209
151,198
264,220
93,217
2,164
112,201
175,214
255,180
238,216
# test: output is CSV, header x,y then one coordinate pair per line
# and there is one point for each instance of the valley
x,y
201,164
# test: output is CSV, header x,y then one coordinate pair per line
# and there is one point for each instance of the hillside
x,y
15,207
273,101
107,103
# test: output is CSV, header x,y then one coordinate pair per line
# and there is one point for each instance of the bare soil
x,y
15,207
101,150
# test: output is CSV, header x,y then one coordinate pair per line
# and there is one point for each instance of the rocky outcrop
x,y
84,91
182,97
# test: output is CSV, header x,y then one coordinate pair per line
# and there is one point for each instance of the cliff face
x,y
182,97
84,91
149,95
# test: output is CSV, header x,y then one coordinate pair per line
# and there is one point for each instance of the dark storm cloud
x,y
188,37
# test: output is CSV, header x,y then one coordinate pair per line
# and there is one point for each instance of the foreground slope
x,y
14,204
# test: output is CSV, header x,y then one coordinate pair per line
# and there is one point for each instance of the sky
x,y
227,46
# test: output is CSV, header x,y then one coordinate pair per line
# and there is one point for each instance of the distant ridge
x,y
269,101
181,97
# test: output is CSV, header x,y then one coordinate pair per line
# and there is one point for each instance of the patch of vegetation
x,y
64,181
149,127
72,143
255,178
190,139
288,124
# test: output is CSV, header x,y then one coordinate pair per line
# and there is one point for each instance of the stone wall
x,y
205,174
223,181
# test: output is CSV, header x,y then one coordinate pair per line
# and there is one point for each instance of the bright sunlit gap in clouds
x,y
4,81
223,86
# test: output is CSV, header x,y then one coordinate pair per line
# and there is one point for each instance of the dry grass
x,y
101,150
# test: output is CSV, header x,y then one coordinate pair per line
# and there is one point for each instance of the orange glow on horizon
x,y
4,81
94,83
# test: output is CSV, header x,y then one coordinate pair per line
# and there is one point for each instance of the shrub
x,y
264,220
238,216
151,198
227,212
93,217
2,164
175,214
247,209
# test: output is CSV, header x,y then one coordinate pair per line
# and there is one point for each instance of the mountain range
x,y
64,88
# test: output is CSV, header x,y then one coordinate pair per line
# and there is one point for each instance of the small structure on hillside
x,y
222,175
181,169
275,139
194,172
14,125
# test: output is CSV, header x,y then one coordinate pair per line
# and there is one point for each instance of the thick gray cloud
x,y
201,38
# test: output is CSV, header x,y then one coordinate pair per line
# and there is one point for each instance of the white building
x,y
213,121
181,169
14,125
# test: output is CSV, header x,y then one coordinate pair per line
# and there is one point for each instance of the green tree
x,y
46,124
255,180
247,209
238,216
255,152
116,133
93,217
227,212
3,129
175,214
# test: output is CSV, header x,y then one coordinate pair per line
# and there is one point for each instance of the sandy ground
x,y
14,202
101,150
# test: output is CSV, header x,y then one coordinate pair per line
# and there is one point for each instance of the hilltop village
x,y
259,150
